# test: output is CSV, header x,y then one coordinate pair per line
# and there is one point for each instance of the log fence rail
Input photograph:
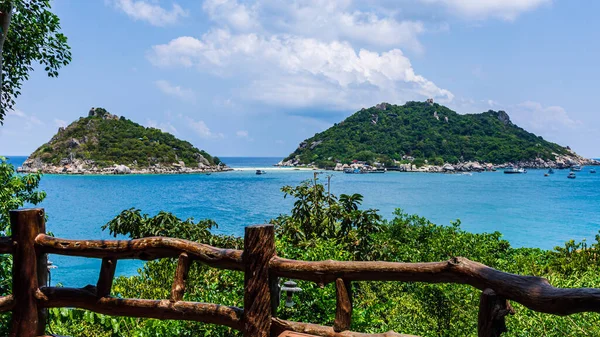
x,y
262,269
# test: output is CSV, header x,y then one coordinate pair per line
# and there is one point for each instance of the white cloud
x,y
60,123
322,19
28,121
200,128
233,14
150,12
299,72
483,9
242,133
540,118
165,127
175,90
492,103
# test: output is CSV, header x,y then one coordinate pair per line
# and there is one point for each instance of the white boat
x,y
514,170
572,175
575,168
259,172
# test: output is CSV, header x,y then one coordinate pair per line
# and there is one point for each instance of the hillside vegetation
x,y
103,139
425,131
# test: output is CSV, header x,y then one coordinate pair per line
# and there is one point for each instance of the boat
x,y
546,174
259,172
575,168
571,175
379,170
350,170
592,170
551,171
514,170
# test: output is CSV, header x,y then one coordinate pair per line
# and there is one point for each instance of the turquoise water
x,y
530,210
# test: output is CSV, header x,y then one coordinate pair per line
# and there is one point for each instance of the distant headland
x,y
103,143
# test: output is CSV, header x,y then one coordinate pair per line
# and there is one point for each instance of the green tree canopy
x,y
30,34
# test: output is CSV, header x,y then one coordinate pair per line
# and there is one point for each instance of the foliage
x,y
108,141
319,215
412,130
322,226
15,191
33,37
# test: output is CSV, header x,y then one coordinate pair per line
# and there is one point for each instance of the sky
x,y
255,78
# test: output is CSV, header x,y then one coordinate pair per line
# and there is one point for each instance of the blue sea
x,y
530,210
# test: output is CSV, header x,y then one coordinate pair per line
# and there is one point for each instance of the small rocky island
x,y
103,143
429,137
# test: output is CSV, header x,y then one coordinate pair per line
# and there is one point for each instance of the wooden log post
x,y
343,307
30,270
492,310
178,288
259,248
107,274
275,289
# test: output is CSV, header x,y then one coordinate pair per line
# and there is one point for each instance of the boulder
x,y
477,167
73,143
315,144
448,168
503,117
202,160
121,169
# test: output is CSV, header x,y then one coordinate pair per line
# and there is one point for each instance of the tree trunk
x,y
5,16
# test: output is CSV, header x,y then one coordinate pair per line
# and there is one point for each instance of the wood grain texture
x,y
536,293
7,303
294,334
107,274
178,288
144,249
85,298
492,311
280,326
343,305
259,248
27,320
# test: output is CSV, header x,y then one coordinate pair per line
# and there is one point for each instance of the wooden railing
x,y
262,268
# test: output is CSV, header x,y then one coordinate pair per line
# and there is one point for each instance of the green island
x,y
103,143
426,136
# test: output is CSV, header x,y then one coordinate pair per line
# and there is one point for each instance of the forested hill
x,y
102,140
425,131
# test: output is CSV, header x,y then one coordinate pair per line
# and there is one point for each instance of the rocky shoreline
x,y
83,167
561,162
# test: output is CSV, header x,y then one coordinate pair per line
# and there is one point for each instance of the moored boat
x,y
576,168
259,172
593,170
514,170
350,170
572,175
